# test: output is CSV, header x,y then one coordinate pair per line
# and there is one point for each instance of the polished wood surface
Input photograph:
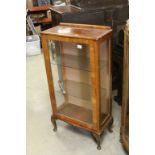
x,y
77,89
125,97
75,31
38,8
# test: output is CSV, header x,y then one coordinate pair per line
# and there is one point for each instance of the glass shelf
x,y
76,62
71,61
80,90
77,89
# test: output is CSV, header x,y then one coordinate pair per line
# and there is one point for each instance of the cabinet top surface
x,y
83,31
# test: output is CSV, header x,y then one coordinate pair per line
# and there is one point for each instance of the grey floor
x,y
68,140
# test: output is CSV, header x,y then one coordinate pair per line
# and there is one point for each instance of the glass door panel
x,y
71,70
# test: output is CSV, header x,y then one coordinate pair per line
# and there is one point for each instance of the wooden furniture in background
x,y
40,16
125,97
78,69
47,2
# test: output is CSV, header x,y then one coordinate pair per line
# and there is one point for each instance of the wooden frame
x,y
124,133
93,41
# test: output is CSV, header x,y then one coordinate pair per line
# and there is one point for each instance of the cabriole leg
x,y
54,123
97,139
110,125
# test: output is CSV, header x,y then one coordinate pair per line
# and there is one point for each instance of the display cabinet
x,y
78,66
125,97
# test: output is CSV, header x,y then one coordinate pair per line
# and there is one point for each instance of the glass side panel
x,y
71,70
104,80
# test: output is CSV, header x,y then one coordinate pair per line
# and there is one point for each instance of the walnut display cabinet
x,y
78,67
125,94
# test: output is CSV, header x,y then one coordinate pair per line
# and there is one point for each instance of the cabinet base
x,y
96,137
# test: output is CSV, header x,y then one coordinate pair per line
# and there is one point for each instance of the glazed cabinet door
x,y
71,70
